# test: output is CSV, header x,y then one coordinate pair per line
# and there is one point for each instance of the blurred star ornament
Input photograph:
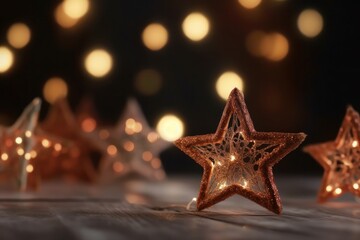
x,y
16,146
237,159
133,147
340,159
77,162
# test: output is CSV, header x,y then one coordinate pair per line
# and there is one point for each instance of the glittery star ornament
x,y
133,147
77,161
237,159
340,159
16,150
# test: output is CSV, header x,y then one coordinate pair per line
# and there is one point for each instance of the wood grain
x,y
149,210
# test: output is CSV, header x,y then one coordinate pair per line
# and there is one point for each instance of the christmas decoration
x,y
132,147
78,160
237,159
17,144
340,159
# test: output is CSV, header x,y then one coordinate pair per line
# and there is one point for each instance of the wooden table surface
x,y
157,210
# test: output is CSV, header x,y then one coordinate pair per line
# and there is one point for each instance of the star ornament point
x,y
236,159
340,159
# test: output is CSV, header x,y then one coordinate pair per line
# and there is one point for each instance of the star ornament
x,y
132,147
17,144
237,159
340,159
76,161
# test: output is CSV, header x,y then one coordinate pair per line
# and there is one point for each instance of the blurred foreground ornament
x,y
237,159
16,147
132,147
78,160
340,159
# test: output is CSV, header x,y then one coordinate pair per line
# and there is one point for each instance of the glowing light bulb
x,y
129,146
111,150
356,186
88,125
28,133
250,4
57,147
147,156
76,8
196,26
155,36
170,127
20,151
27,156
222,186
355,143
6,59
18,35
329,188
45,143
29,168
245,184
152,137
98,63
18,140
118,167
54,89
4,156
338,191
232,157
310,23
227,82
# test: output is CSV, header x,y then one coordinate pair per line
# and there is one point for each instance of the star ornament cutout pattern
x,y
340,159
237,159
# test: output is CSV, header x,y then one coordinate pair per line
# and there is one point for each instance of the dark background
x,y
308,91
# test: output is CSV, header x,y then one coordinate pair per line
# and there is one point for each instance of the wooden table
x,y
148,210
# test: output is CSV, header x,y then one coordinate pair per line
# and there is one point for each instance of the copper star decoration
x,y
237,159
340,159
132,147
17,145
77,161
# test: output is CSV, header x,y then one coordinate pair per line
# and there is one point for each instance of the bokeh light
x,y
250,4
310,23
6,59
18,35
62,18
88,125
98,63
148,81
155,36
55,88
227,82
274,47
253,42
170,127
196,26
76,8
